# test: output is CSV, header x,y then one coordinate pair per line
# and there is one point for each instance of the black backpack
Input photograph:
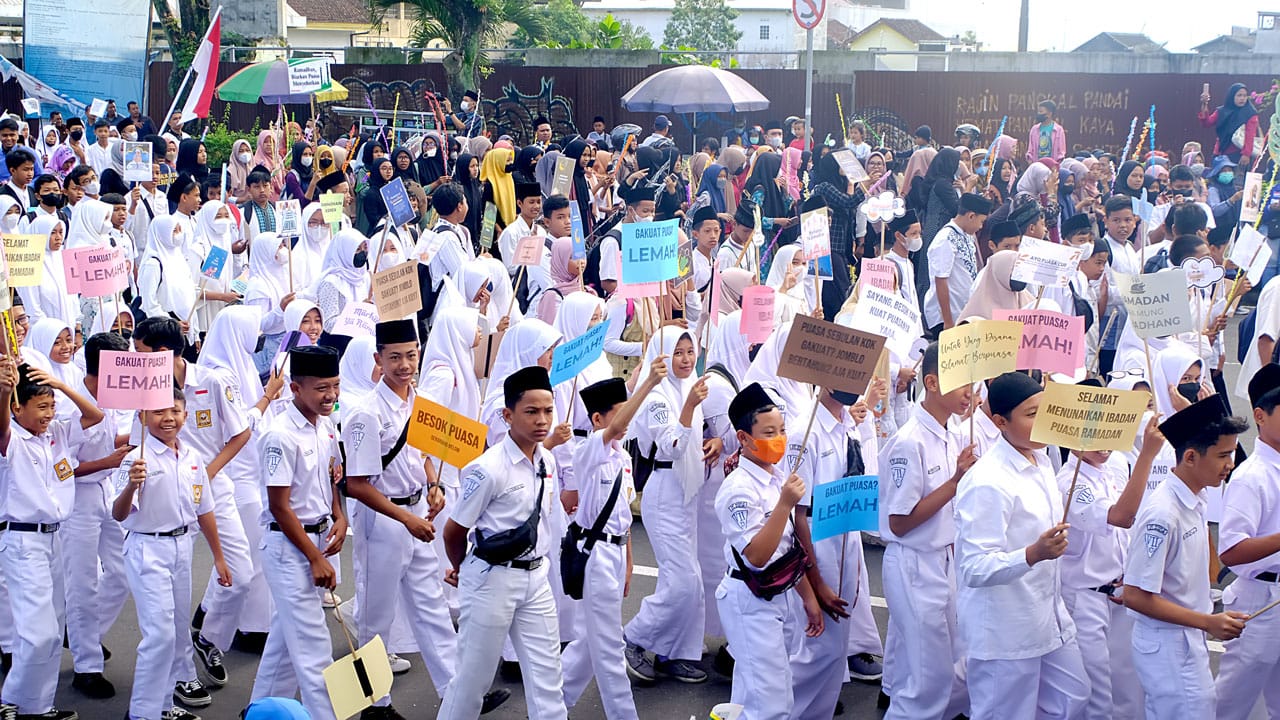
x,y
591,276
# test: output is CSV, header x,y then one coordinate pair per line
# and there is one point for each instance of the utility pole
x,y
1022,26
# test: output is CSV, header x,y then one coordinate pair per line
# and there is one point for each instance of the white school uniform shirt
x,y
959,268
1251,507
600,464
176,489
1003,505
299,456
743,505
447,251
510,238
215,414
99,441
36,484
917,460
98,157
1169,550
369,430
1124,259
825,454
1161,213
906,271
728,254
500,489
1095,547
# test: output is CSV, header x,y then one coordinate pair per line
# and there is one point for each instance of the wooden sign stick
x,y
1072,492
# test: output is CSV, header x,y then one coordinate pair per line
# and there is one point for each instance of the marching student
x,y
502,581
907,238
1107,495
306,526
529,204
35,499
1249,538
765,561
605,485
1008,532
157,551
921,467
1165,583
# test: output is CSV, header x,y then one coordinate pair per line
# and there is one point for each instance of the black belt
x,y
533,564
737,574
30,527
1108,589
581,433
176,532
1266,577
312,529
410,500
581,533
663,465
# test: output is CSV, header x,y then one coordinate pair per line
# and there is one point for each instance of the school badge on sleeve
x,y
1153,536
273,456
738,511
197,492
63,469
357,435
898,470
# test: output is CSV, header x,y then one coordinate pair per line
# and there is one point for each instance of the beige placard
x,y
395,291
342,678
1087,418
976,351
829,355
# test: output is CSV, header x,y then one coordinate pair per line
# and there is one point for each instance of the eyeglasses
x,y
1121,374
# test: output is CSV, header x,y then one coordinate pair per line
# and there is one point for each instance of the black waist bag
x,y
778,576
573,560
642,465
508,545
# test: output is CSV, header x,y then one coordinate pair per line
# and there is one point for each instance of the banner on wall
x,y
64,48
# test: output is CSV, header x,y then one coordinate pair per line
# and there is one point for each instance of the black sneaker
x,y
724,661
865,667
93,685
210,658
106,654
509,670
639,667
252,643
682,670
191,694
54,714
376,712
493,700
177,713
883,701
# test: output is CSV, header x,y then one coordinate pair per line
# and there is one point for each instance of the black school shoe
x,y
93,685
192,694
381,712
493,700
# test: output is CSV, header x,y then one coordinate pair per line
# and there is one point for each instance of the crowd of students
x,y
286,441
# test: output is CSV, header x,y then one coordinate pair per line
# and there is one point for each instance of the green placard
x,y
487,226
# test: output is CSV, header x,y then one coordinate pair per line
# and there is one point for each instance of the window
x,y
764,32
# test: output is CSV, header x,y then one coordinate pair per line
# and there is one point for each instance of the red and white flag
x,y
205,68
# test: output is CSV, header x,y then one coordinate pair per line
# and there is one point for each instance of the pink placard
x,y
879,273
529,250
1051,341
71,270
103,271
635,291
713,301
757,313
135,380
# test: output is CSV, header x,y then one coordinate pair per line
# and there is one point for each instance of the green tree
x,y
702,24
468,26
183,33
566,23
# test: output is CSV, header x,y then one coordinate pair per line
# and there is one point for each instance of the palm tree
x,y
468,26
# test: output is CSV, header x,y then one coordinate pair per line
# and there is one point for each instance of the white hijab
x,y
340,270
42,336
7,203
729,347
177,283
53,298
688,465
795,398
521,347
450,345
1170,364
90,224
356,369
212,238
310,251
503,291
267,278
229,347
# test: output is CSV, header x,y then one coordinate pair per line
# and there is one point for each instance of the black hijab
x,y
764,177
1122,180
581,189
188,152
526,159
1230,118
473,189
409,173
371,204
942,169
827,170
431,168
295,163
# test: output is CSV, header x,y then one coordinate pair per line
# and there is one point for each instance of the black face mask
x,y
509,168
752,351
326,163
1017,285
844,398
55,200
262,342
77,135
1040,118
361,259
1190,391
127,334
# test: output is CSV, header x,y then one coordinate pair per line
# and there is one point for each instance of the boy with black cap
x,y
764,558
1166,586
952,262
306,525
743,232
1249,539
604,263
921,467
1009,529
606,487
529,205
392,514
502,582
1004,236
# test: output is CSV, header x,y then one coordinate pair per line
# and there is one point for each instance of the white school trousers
x,y
1049,687
924,656
256,608
1251,664
223,605
402,571
711,547
497,600
1104,634
671,621
762,637
159,573
598,651
33,569
566,607
93,549
299,647
1173,665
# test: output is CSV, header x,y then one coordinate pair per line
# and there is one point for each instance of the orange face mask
x,y
770,450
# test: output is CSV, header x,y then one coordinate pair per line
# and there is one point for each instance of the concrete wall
x,y
255,19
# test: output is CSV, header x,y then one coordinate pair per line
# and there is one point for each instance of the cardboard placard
x,y
887,314
487,225
562,180
1157,302
576,232
815,233
342,679
331,207
1251,252
99,271
396,293
1045,263
137,162
357,320
31,107
1089,418
213,264
756,321
1051,341
573,356
97,108
977,351
830,356
289,218
135,380
1251,201
850,166
529,250
24,255
850,504
878,273
396,198
1202,273
442,433
486,352
650,251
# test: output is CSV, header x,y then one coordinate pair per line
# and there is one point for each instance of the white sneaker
x,y
330,600
399,665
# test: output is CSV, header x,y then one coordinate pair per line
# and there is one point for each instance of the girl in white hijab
x,y
311,248
794,399
501,293
165,281
579,313
529,343
55,340
269,292
359,372
90,224
789,277
229,347
49,141
50,298
214,229
668,428
11,214
344,275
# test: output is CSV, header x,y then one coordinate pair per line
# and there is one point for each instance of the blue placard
x,y
572,357
213,264
397,201
579,235
846,505
650,251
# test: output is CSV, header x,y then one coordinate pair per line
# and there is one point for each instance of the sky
x,y
1065,24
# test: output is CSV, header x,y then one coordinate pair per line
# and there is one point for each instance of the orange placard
x,y
442,433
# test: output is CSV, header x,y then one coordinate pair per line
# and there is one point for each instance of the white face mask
x,y
221,225
431,152
282,256
775,142
464,106
9,222
318,234
131,136
306,161
244,157
644,218
92,188
914,244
